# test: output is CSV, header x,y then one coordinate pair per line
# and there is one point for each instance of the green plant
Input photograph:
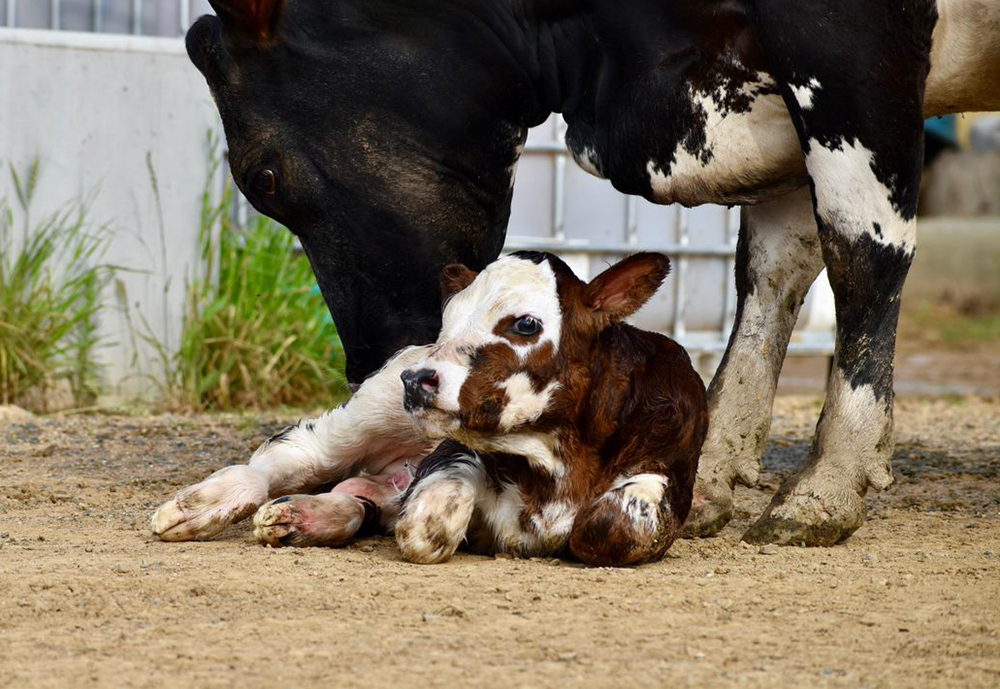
x,y
50,286
255,332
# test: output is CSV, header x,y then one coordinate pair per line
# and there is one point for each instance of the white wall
x,y
91,108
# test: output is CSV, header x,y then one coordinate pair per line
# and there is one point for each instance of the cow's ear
x,y
257,17
623,288
454,278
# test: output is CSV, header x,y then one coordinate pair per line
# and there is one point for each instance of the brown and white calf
x,y
559,428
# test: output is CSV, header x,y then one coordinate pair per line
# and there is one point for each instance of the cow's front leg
x,y
862,134
436,513
370,432
778,258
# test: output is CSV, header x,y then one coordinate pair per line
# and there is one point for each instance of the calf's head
x,y
520,342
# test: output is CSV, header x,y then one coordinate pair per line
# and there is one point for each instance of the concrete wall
x,y
98,111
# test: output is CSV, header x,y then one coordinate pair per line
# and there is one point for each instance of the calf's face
x,y
515,336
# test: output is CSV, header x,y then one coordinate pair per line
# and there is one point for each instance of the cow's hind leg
x,y
861,126
633,522
778,258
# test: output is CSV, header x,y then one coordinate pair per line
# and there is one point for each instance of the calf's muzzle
x,y
419,388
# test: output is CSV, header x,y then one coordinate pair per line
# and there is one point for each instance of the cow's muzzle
x,y
420,387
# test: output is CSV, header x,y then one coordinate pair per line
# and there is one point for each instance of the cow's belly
x,y
753,155
965,58
743,154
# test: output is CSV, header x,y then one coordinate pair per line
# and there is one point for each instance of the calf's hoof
x,y
205,509
711,510
435,520
331,519
809,515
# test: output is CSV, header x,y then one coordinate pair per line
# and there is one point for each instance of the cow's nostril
x,y
430,383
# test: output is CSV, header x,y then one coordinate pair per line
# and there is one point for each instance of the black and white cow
x,y
385,134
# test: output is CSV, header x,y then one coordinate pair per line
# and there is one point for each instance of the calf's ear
x,y
623,288
258,18
454,278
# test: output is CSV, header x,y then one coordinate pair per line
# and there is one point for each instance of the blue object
x,y
943,128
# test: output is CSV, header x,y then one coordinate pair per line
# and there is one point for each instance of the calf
x,y
585,431
557,427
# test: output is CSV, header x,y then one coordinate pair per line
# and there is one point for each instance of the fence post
x,y
185,14
12,13
137,16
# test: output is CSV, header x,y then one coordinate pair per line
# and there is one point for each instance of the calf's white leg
x,y
368,433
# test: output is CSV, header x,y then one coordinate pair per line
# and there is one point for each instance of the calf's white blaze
x,y
508,287
850,199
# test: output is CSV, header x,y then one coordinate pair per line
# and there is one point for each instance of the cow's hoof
x,y
331,520
710,511
435,520
809,516
205,509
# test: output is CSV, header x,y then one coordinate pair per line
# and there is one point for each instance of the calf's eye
x,y
526,326
265,181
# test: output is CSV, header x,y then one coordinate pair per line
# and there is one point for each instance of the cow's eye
x,y
526,326
265,181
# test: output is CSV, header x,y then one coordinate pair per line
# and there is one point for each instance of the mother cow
x,y
385,134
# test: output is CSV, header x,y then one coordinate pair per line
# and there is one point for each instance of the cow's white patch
x,y
588,160
756,150
524,405
639,498
804,93
854,437
851,200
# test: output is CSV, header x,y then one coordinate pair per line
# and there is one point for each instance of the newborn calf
x,y
584,431
563,429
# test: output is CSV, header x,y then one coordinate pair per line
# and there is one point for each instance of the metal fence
x,y
145,17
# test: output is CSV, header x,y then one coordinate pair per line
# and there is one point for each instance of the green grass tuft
x,y
256,333
51,281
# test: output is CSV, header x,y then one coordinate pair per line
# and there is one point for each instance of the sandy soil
x,y
87,597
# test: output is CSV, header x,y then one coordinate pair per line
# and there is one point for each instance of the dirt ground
x,y
88,597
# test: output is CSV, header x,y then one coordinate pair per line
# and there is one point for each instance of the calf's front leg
x,y
436,512
370,432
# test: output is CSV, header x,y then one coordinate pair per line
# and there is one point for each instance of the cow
x,y
561,430
385,134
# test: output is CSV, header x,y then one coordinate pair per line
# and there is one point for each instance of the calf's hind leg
x,y
631,523
777,259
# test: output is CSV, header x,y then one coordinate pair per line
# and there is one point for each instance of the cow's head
x,y
520,341
355,124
